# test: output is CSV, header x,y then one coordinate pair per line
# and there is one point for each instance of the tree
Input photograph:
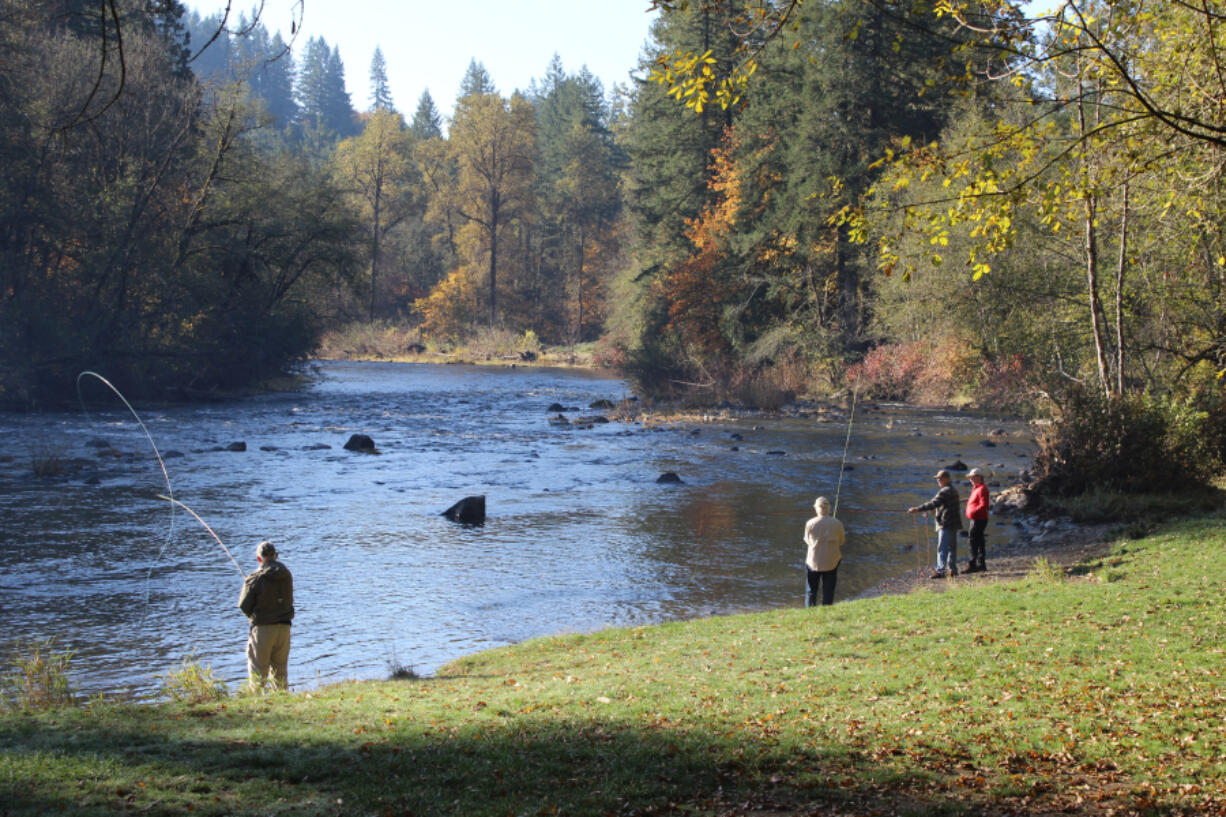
x,y
856,78
380,93
476,81
427,123
376,168
1116,128
162,243
669,150
492,142
322,98
578,190
667,184
109,25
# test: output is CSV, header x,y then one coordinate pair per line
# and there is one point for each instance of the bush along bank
x,y
1095,690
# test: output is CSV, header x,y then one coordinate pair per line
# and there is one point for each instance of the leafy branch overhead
x,y
702,79
1107,95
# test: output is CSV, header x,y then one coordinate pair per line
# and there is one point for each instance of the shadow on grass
x,y
498,764
1138,514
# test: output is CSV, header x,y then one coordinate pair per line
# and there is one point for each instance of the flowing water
x,y
579,534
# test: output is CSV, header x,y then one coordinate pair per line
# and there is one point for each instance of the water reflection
x,y
579,535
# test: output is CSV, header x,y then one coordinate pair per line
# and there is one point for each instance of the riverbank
x,y
1094,691
388,342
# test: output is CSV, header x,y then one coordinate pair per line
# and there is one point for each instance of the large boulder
x,y
470,510
1015,499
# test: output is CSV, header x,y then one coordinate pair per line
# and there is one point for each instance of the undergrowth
x,y
37,677
192,682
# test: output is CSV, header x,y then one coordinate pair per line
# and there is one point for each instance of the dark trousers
x,y
823,580
978,543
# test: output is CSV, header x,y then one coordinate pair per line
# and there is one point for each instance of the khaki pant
x,y
268,651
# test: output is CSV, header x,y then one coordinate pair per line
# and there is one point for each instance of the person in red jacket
x,y
977,512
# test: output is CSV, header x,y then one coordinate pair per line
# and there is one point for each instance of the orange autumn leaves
x,y
700,289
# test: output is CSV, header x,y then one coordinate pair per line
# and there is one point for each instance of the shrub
x,y
38,678
936,371
1044,571
47,463
193,682
1135,443
491,343
371,339
888,372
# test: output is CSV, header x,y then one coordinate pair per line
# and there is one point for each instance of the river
x,y
579,534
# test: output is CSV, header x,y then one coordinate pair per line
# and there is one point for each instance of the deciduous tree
x,y
377,168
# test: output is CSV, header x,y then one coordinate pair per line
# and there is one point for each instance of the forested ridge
x,y
927,201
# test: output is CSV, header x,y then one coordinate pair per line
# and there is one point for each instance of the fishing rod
x,y
851,417
216,538
169,495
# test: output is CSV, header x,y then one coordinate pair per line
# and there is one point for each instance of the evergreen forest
x,y
914,200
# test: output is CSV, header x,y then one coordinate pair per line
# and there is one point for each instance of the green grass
x,y
1093,692
1140,511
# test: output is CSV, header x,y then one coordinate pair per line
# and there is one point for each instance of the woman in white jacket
x,y
824,536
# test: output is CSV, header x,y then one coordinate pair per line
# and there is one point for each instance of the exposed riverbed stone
x,y
470,510
360,443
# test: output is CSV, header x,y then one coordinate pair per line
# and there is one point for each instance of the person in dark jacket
x,y
977,513
267,599
948,518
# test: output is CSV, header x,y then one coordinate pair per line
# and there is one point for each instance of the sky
x,y
429,43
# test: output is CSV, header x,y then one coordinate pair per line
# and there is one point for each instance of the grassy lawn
x,y
1096,692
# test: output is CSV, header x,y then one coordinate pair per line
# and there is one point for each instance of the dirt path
x,y
1066,547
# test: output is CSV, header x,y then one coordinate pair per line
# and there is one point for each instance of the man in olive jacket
x,y
948,523
267,599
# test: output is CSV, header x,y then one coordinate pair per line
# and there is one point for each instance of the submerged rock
x,y
668,477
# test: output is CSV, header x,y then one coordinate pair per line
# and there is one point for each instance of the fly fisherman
x,y
824,537
267,599
948,522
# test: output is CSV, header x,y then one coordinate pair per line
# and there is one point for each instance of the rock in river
x,y
360,442
470,510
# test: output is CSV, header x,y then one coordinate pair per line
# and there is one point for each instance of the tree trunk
x,y
493,260
374,249
1096,307
579,291
1119,297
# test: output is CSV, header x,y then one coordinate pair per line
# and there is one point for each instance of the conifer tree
x,y
380,92
427,123
274,82
476,81
321,93
577,188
